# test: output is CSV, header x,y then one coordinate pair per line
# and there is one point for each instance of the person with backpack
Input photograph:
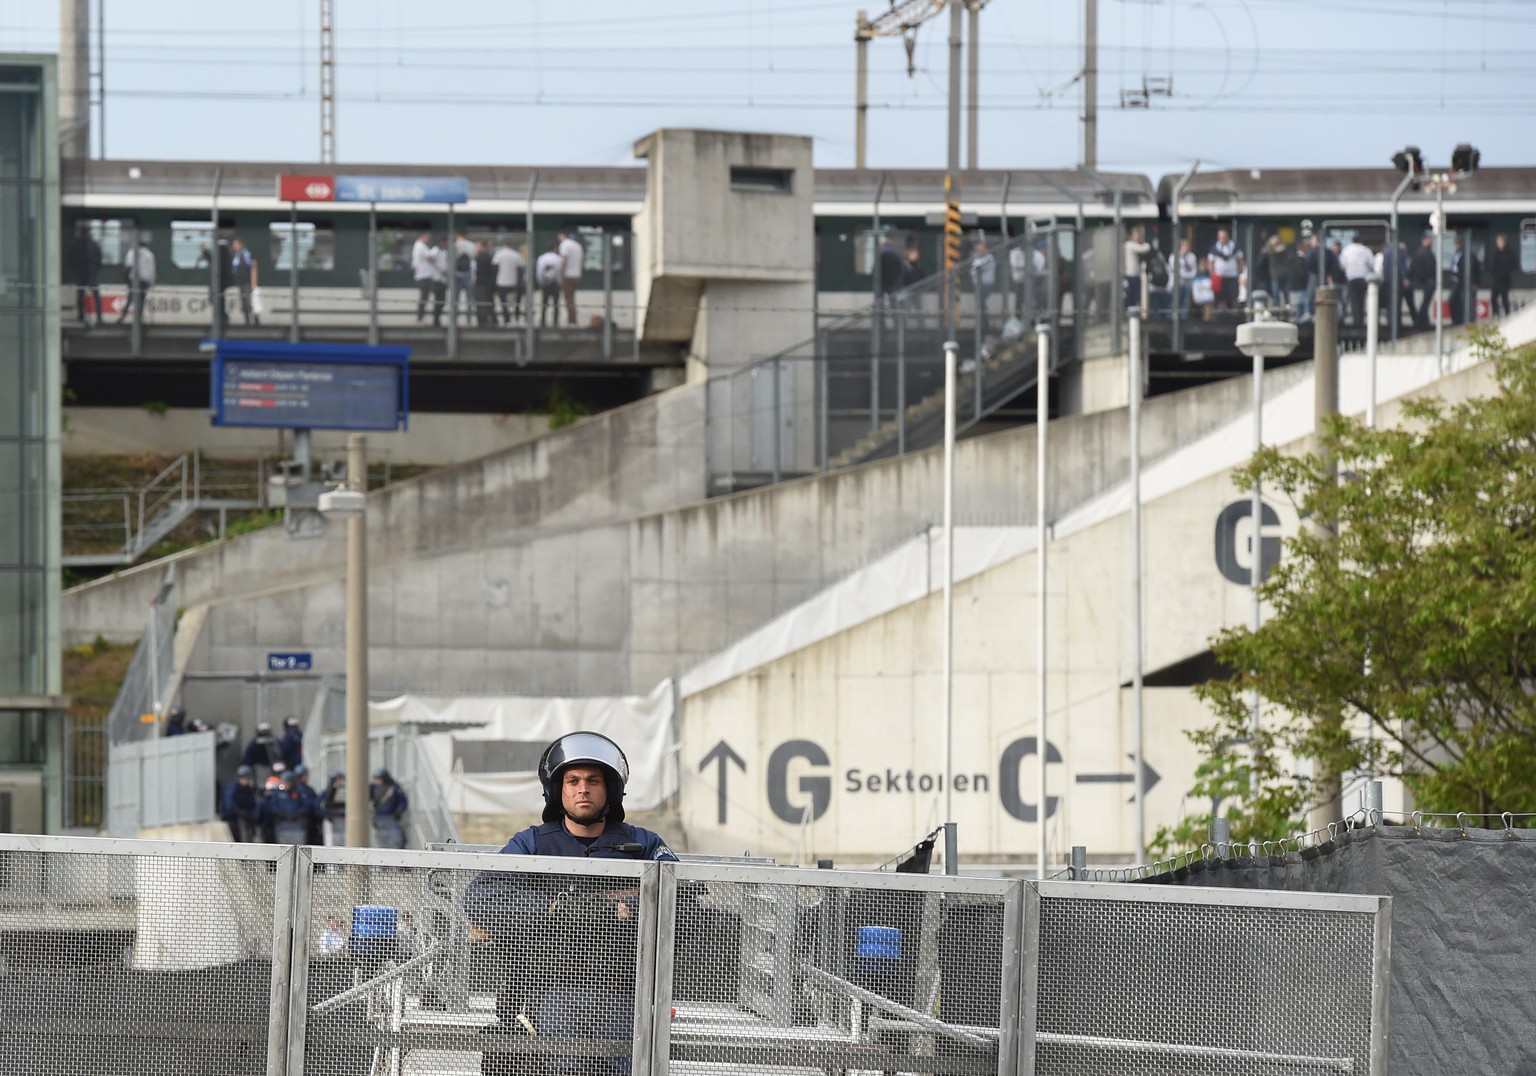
x,y
1159,283
463,276
547,272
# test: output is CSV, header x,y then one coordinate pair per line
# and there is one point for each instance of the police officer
x,y
334,800
263,750
389,806
239,807
291,809
175,722
545,928
292,744
314,807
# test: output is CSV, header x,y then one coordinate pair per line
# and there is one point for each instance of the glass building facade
x,y
30,703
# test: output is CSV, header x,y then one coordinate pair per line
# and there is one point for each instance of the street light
x,y
1465,159
351,504
1261,339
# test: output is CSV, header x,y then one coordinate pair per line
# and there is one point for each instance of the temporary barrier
x,y
1156,979
138,957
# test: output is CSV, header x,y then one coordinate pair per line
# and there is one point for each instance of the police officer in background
x,y
545,928
389,806
292,744
263,750
240,806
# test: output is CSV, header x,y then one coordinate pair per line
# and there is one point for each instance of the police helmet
x,y
179,713
278,767
263,726
245,771
290,722
383,776
577,749
197,724
336,775
300,770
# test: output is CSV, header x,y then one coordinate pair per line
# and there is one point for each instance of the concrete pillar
x,y
74,79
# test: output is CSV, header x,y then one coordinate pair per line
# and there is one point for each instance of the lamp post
x,y
1261,339
351,504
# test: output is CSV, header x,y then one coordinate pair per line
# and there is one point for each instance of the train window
x,y
316,244
189,243
112,236
866,244
1528,246
392,251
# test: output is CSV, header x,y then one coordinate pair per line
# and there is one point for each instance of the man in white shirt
x,y
463,274
984,277
139,267
425,272
571,255
1226,263
548,272
509,280
1136,250
1359,263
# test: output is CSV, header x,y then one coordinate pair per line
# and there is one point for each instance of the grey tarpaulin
x,y
1463,996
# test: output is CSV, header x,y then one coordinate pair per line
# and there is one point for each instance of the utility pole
x,y
1090,83
74,79
973,55
358,814
956,28
861,90
327,83
1328,781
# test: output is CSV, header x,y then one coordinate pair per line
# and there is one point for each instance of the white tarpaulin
x,y
640,724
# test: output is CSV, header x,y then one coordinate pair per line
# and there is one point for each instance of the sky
x,y
1253,83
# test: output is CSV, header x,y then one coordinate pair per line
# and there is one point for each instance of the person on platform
x,y
85,271
1136,251
139,269
1421,278
572,254
334,801
429,278
547,272
1502,266
580,985
485,286
1226,264
245,275
510,281
1358,262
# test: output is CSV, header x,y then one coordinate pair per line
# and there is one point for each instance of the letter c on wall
x,y
818,787
1008,779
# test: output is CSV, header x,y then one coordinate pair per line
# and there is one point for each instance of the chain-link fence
x,y
141,702
146,957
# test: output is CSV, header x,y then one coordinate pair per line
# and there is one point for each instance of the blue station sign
x,y
295,661
453,190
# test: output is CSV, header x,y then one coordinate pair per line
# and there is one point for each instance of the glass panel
x,y
21,630
316,245
20,224
21,492
21,374
394,249
190,240
111,236
21,738
19,125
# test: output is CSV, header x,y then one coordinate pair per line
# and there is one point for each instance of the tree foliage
x,y
1420,615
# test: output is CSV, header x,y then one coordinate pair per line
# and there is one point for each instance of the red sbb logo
x,y
306,188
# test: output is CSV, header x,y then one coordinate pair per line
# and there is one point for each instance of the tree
x,y
1419,619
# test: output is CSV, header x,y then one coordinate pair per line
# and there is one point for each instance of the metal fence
x,y
161,783
871,385
147,957
141,702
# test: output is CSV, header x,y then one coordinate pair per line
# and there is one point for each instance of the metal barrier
x,y
163,782
141,701
150,957
1154,979
773,969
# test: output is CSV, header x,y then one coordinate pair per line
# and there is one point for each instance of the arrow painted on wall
x,y
1149,777
723,756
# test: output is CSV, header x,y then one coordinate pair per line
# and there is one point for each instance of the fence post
x,y
1373,801
901,381
822,387
951,850
778,419
607,296
1221,835
1079,869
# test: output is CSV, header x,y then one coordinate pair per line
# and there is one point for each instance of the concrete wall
x,y
870,699
432,440
728,270
636,459
616,607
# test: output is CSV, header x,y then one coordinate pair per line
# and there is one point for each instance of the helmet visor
x,y
578,747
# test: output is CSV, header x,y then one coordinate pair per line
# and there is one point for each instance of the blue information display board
x,y
309,386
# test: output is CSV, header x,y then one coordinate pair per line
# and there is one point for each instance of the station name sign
x,y
438,190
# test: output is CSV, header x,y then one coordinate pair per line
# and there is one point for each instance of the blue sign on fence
x,y
439,189
301,661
